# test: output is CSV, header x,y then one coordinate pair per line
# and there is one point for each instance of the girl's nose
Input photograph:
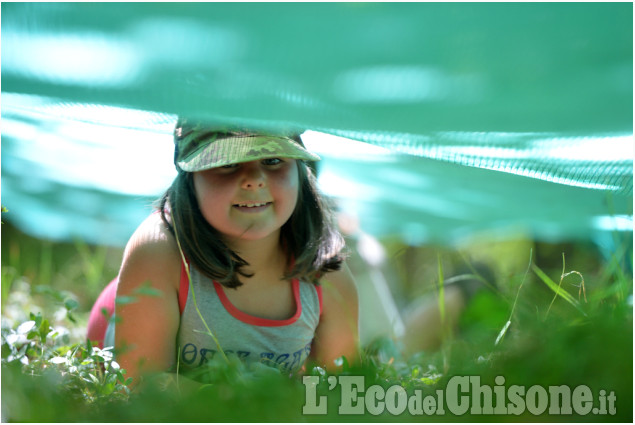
x,y
254,177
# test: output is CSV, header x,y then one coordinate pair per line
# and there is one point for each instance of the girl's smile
x,y
252,207
249,200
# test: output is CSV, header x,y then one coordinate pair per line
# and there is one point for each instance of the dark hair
x,y
312,243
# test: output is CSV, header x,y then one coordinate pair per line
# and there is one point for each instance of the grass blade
x,y
557,289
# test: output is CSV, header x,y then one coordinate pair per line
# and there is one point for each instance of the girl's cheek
x,y
289,183
198,190
207,196
294,193
291,176
209,185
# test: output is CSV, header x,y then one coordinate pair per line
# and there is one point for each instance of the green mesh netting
x,y
495,116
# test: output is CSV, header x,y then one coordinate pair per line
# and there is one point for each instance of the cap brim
x,y
234,150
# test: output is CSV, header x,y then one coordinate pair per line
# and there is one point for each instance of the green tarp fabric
x,y
497,115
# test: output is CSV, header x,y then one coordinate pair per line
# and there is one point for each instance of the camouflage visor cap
x,y
199,150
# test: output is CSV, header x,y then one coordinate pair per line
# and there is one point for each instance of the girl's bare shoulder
x,y
153,232
152,252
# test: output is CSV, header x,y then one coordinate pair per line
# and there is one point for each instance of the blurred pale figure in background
x,y
419,325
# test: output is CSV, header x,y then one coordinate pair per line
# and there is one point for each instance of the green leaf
x,y
415,372
44,330
125,299
52,292
147,289
70,304
37,318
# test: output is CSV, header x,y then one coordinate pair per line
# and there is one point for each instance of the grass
x,y
530,330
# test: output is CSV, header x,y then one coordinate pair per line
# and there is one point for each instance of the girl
x,y
241,248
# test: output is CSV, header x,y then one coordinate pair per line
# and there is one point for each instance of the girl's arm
x,y
338,332
145,333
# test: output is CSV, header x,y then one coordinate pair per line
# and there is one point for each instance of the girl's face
x,y
249,200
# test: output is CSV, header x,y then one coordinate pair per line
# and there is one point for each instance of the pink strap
x,y
97,322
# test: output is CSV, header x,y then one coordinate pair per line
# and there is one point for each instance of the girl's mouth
x,y
252,207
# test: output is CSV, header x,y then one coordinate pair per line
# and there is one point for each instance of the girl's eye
x,y
228,166
272,161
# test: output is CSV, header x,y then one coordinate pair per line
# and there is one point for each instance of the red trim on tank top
x,y
259,321
184,287
318,289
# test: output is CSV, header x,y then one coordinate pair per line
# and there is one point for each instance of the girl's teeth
x,y
251,205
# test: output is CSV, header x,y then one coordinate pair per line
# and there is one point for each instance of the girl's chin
x,y
252,234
